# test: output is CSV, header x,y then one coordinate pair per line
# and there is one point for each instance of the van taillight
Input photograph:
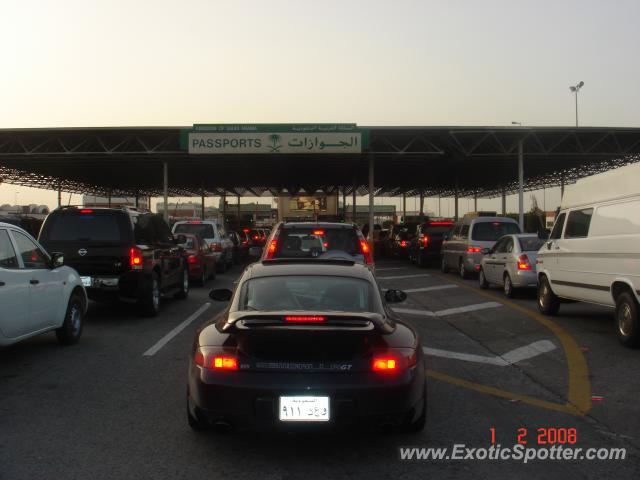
x,y
271,250
135,258
366,252
474,249
523,262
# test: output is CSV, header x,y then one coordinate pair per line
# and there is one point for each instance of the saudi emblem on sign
x,y
275,143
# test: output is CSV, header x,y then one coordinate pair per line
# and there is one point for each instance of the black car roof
x,y
270,268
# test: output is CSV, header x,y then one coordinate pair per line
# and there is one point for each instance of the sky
x,y
70,63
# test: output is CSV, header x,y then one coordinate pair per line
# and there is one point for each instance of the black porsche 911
x,y
307,341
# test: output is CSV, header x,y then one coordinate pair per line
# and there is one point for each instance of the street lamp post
x,y
575,89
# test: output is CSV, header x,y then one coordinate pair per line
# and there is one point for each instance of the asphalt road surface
x,y
104,409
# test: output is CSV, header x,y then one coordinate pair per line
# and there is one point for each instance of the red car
x,y
200,258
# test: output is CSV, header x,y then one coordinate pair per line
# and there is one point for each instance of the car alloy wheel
x,y
508,286
625,319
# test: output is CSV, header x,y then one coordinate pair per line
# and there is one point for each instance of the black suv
x,y
119,252
426,244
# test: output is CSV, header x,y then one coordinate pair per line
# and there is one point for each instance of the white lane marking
x,y
388,268
448,311
404,276
429,289
167,338
514,356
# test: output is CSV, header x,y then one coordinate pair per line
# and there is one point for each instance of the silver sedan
x,y
511,263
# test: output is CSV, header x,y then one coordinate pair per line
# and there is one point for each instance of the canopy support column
x,y
561,186
224,208
504,201
475,202
404,206
137,200
455,201
238,210
165,191
202,205
371,197
344,204
353,204
521,185
59,197
421,213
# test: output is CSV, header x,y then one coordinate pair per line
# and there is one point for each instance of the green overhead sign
x,y
320,138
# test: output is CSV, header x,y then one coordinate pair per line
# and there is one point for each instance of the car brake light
x,y
305,318
441,223
474,249
366,251
246,230
244,242
224,362
192,259
394,361
325,244
318,232
86,210
403,243
272,249
216,360
523,263
425,241
135,258
194,222
384,364
256,237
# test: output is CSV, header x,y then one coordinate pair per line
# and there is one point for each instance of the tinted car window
x,y
531,244
309,242
32,256
203,229
491,231
8,257
435,230
557,227
97,226
162,229
578,223
319,293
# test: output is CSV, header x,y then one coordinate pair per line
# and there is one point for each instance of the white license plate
x,y
86,281
304,409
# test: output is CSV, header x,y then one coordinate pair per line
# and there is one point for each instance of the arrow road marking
x,y
514,356
449,311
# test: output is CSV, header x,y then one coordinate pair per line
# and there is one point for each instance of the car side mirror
x,y
180,239
220,294
395,296
57,259
486,251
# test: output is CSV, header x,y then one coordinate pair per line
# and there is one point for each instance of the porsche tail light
x,y
394,361
135,258
524,263
216,360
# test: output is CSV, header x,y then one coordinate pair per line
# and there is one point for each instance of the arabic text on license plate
x,y
86,281
304,409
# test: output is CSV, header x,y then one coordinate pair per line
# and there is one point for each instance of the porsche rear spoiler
x,y
305,320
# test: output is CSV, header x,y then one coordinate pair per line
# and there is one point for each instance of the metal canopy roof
x,y
478,161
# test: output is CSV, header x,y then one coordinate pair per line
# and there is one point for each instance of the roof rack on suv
x,y
328,261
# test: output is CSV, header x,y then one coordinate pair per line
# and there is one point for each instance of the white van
x,y
593,252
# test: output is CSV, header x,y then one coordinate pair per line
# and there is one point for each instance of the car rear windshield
x,y
205,230
94,226
531,244
312,242
309,293
436,230
492,231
